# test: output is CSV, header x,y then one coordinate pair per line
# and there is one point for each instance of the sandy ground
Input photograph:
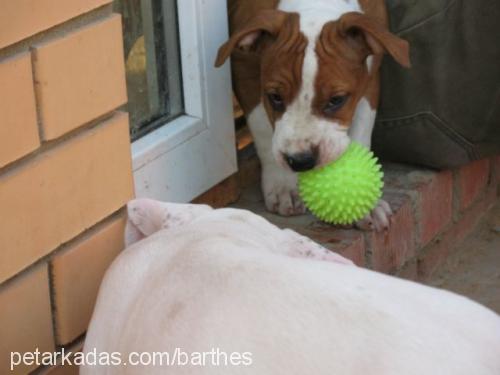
x,y
474,270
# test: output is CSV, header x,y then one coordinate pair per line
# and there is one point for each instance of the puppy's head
x,y
313,75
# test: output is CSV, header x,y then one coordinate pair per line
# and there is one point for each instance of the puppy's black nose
x,y
301,162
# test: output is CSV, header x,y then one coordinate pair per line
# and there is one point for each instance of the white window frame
x,y
190,154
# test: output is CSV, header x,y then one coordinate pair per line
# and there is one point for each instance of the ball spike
x,y
346,190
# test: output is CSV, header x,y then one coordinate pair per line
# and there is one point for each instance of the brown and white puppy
x,y
306,75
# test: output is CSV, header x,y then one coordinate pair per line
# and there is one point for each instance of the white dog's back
x,y
228,280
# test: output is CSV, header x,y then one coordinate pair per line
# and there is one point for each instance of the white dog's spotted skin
x,y
229,279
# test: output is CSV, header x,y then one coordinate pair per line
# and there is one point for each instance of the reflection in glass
x,y
152,60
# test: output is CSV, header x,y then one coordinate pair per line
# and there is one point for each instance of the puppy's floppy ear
x,y
377,36
267,21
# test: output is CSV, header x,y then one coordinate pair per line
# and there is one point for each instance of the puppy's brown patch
x,y
282,61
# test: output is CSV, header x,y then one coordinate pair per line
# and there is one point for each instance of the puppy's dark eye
x,y
353,32
334,104
276,102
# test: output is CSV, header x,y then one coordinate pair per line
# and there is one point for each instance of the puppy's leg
x,y
279,185
146,216
361,132
362,123
298,246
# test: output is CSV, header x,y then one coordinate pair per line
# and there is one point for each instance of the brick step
x,y
433,212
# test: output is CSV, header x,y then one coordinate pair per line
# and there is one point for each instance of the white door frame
x,y
190,154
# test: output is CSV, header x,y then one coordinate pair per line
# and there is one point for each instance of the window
x,y
152,61
180,105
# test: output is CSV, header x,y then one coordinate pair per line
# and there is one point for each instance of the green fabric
x,y
445,110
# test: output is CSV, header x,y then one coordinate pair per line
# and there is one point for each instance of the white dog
x,y
228,281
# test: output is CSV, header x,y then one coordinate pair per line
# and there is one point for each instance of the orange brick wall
x,y
65,169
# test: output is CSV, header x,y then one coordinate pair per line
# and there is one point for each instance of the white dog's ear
x,y
144,217
147,216
132,234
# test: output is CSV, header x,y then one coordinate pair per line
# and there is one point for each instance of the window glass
x,y
152,61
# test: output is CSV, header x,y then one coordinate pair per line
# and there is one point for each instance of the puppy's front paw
x,y
281,194
378,219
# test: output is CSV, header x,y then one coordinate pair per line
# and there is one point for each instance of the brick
x,y
432,257
77,274
22,18
471,181
469,219
80,76
62,192
355,248
25,318
432,196
390,249
436,206
409,271
495,169
65,369
222,194
18,129
435,254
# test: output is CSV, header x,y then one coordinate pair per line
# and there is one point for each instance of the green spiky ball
x,y
346,190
